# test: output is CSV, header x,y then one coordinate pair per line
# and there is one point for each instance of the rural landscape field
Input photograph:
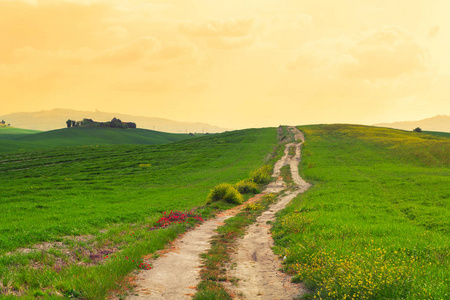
x,y
230,150
77,220
112,194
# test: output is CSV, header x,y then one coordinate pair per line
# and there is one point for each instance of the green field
x,y
112,193
12,130
13,139
376,223
437,133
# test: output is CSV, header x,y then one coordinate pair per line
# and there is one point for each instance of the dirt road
x,y
176,273
254,264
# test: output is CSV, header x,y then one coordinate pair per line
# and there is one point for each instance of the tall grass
x,y
376,223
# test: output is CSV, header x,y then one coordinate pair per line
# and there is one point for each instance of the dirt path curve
x,y
256,266
176,273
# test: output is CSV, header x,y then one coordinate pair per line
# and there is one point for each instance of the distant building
x,y
114,123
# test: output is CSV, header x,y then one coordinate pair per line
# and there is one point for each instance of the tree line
x,y
114,123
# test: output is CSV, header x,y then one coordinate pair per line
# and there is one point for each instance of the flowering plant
x,y
178,217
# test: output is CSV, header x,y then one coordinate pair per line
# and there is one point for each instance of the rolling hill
x,y
56,119
26,139
375,224
112,195
12,130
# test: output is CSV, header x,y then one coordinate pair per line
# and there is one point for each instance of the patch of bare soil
x,y
82,252
254,263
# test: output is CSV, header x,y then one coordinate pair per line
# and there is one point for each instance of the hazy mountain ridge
x,y
56,119
437,123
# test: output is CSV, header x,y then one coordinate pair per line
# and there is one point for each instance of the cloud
x,y
118,32
434,31
381,54
49,25
33,55
129,53
387,53
371,72
216,28
221,34
230,43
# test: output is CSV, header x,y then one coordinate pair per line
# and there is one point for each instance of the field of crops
x,y
376,223
104,199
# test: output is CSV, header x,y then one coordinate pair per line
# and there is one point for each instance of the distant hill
x,y
438,123
56,119
84,136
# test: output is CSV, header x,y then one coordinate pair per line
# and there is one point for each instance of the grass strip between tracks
x,y
222,245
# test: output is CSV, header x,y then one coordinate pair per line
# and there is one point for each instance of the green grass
x,y
376,223
437,133
113,193
23,140
11,130
285,172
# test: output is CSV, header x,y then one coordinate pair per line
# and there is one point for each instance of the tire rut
x,y
255,264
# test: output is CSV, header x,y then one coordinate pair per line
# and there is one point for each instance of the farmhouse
x,y
114,123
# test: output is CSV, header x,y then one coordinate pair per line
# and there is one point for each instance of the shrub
x,y
246,187
254,206
262,175
226,192
270,197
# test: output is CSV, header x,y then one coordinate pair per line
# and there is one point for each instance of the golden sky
x,y
230,63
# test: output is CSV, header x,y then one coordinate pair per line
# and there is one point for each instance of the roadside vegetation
x,y
77,220
375,224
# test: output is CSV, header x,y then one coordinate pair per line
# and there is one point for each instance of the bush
x,y
262,175
270,197
226,192
246,187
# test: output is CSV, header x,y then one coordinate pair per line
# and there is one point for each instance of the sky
x,y
234,63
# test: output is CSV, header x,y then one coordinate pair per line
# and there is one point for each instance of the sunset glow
x,y
233,63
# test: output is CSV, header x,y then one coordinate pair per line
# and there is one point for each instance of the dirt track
x,y
256,266
176,273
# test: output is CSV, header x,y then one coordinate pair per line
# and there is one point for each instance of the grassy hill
x,y
91,201
437,133
4,130
376,223
24,139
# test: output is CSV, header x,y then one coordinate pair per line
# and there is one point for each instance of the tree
x,y
69,123
130,125
417,129
117,123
